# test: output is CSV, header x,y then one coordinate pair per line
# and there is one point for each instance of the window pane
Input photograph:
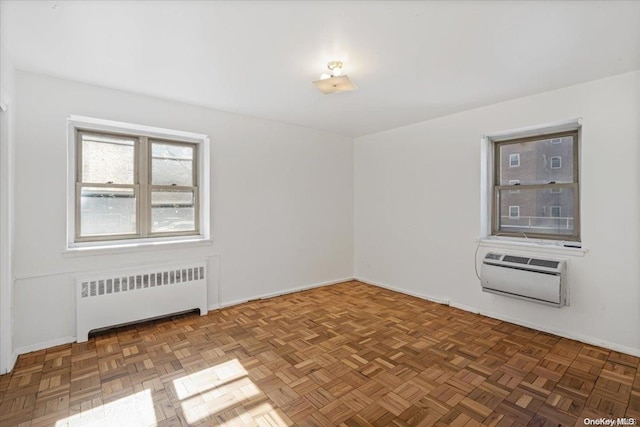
x,y
171,164
539,162
172,211
540,211
105,211
107,159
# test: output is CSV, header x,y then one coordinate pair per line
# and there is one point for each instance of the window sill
x,y
120,247
543,247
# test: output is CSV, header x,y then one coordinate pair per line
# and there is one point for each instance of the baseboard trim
x,y
559,332
280,293
70,339
40,346
444,301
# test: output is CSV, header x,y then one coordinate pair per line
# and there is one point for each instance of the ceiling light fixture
x,y
334,82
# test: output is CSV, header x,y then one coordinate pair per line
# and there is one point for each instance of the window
x,y
556,141
136,185
514,160
536,200
514,182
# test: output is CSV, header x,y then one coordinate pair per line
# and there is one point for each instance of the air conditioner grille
x,y
544,263
516,259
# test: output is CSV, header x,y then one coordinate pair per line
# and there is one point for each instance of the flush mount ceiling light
x,y
335,82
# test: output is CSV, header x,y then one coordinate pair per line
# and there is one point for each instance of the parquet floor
x,y
349,354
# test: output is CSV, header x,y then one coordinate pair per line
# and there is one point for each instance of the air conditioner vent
x,y
544,263
516,259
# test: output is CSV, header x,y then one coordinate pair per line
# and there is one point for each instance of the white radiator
x,y
128,296
531,279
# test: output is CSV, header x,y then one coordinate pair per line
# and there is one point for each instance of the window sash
x,y
196,207
496,229
142,188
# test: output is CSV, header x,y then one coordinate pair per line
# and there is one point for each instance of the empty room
x,y
319,213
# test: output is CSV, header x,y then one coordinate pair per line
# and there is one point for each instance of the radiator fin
x,y
118,284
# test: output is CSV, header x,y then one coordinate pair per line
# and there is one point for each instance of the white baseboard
x,y
284,292
39,346
71,339
559,332
444,301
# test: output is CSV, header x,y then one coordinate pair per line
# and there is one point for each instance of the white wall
x,y
417,210
282,203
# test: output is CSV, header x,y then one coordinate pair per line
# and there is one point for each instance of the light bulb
x,y
325,76
336,71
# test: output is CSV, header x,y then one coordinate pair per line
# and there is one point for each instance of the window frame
x,y
514,182
143,135
193,188
515,156
494,216
559,162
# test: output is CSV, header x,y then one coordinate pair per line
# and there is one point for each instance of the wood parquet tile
x,y
346,355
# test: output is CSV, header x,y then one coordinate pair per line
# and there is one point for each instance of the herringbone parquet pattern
x,y
349,354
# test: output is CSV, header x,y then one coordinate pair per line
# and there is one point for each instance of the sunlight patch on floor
x,y
226,392
207,379
135,410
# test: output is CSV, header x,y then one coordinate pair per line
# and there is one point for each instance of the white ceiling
x,y
411,60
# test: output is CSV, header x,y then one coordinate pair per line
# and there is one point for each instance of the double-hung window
x,y
132,185
544,187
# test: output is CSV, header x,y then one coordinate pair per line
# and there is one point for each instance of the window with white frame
x,y
514,160
537,199
556,162
132,183
514,182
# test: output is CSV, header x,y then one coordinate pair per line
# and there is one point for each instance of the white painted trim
x,y
558,332
487,156
537,246
552,127
71,339
150,131
41,346
137,245
486,186
4,105
444,301
127,266
6,241
89,123
285,292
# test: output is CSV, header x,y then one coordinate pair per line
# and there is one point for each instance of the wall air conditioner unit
x,y
531,279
